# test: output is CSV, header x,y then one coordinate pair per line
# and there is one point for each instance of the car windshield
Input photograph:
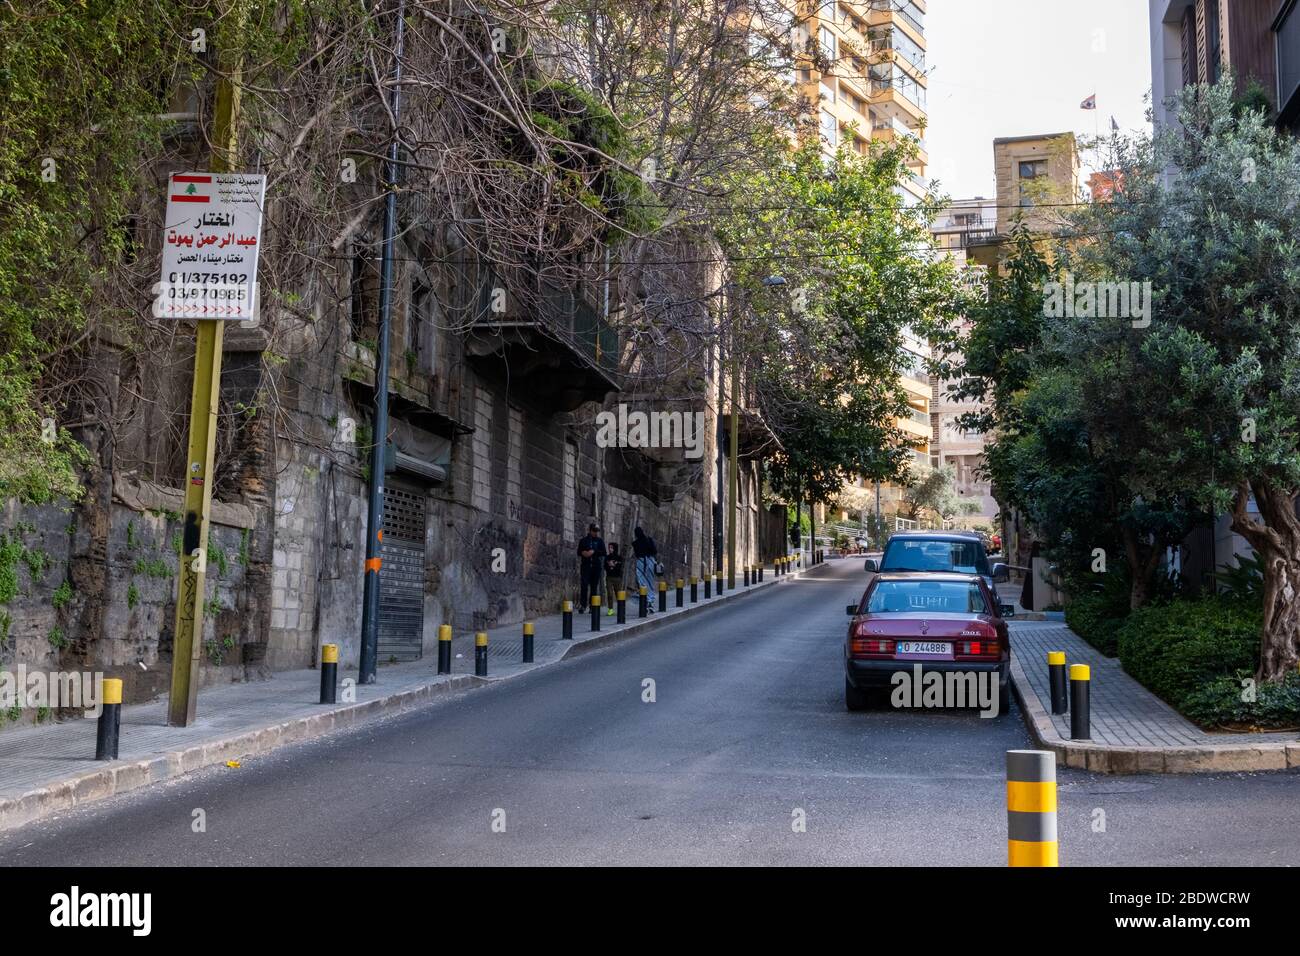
x,y
962,557
959,597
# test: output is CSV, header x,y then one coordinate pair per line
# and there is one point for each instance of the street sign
x,y
210,243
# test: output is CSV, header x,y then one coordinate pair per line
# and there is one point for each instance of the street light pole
x,y
375,516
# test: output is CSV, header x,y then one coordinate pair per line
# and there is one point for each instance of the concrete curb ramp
x,y
1217,757
123,776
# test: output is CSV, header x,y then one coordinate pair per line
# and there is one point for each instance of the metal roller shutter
x,y
401,580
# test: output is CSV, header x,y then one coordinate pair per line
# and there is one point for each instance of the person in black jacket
x,y
645,550
591,552
613,577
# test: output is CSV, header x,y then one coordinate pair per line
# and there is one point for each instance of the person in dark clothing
x,y
591,551
645,551
613,577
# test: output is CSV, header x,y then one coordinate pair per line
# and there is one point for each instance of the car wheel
x,y
855,699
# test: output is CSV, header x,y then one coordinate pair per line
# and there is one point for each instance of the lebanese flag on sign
x,y
1090,103
185,188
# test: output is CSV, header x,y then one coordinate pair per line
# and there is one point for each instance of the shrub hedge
x,y
1096,619
1195,653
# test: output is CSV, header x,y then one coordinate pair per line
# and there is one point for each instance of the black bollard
x,y
329,673
622,607
567,616
1056,680
1080,719
109,730
480,654
444,649
528,642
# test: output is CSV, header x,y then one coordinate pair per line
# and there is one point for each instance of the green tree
x,y
853,279
933,491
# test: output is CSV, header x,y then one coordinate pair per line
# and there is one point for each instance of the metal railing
x,y
563,314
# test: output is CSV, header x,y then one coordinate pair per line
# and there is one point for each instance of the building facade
x,y
952,446
1198,41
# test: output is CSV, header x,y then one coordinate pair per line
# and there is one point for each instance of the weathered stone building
x,y
495,474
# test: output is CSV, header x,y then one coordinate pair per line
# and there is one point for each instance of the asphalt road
x,y
747,734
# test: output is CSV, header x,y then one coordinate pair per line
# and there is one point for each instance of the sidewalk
x,y
51,767
1133,731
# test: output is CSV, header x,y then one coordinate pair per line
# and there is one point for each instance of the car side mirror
x,y
872,567
1001,573
851,610
1006,610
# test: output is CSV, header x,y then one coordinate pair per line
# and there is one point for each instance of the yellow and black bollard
x,y
746,575
663,597
109,729
760,574
444,649
595,612
329,673
717,584
480,654
1080,718
708,586
1031,808
1056,680
622,607
644,594
681,593
566,616
695,589
528,642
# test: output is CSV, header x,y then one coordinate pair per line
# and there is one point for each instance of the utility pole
x,y
187,644
733,483
375,517
879,531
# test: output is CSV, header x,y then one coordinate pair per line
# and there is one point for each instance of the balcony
x,y
555,349
1286,27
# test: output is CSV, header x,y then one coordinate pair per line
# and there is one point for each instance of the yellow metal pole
x,y
187,645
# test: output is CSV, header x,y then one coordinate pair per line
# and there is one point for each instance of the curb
x,y
123,776
1106,758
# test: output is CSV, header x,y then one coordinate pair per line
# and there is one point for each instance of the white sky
x,y
1019,67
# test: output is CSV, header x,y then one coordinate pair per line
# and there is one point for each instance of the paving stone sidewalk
x,y
1132,729
45,768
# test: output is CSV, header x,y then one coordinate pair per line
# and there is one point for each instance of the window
x,y
828,44
918,554
363,293
1030,171
421,326
1213,43
828,91
1190,71
903,597
830,128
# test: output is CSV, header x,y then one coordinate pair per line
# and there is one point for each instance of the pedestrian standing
x,y
645,551
613,576
591,564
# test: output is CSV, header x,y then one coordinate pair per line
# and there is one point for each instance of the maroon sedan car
x,y
922,623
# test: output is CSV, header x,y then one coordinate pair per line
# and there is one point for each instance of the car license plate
x,y
927,648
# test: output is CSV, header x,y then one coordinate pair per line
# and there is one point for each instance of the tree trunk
x,y
1277,541
1143,563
